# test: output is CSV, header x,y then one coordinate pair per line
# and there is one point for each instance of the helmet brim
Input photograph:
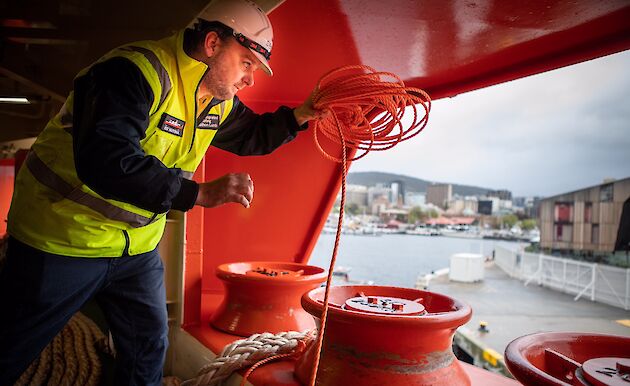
x,y
264,63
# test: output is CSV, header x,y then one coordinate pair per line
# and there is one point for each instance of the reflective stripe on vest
x,y
161,72
49,178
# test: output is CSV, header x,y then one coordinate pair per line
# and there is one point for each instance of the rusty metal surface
x,y
392,362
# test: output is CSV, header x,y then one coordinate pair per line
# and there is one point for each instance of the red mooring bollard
x,y
385,336
265,297
570,359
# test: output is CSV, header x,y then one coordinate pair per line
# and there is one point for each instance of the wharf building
x,y
357,194
585,221
501,194
467,206
527,206
398,193
415,198
493,206
373,199
439,194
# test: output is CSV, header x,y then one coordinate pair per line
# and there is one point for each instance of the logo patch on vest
x,y
171,125
211,121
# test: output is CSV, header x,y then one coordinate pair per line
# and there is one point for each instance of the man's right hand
x,y
233,187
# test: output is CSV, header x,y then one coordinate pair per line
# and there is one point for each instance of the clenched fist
x,y
233,187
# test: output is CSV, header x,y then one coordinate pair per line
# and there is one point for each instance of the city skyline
x,y
543,135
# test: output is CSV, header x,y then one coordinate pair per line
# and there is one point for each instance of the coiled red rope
x,y
366,110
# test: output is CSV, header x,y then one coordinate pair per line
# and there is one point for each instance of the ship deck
x,y
512,309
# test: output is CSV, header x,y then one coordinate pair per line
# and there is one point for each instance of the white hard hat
x,y
251,26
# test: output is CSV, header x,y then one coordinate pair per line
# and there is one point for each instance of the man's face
x,y
230,69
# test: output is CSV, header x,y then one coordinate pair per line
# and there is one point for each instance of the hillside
x,y
411,184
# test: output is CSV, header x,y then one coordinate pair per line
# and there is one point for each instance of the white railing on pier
x,y
599,283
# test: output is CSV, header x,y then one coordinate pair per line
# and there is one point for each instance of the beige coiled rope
x,y
71,358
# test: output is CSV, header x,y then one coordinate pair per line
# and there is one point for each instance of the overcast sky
x,y
543,135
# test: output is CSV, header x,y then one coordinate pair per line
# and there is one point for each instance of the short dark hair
x,y
195,36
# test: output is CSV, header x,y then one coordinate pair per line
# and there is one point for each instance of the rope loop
x,y
253,351
367,109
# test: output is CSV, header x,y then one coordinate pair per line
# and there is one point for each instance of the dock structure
x,y
505,309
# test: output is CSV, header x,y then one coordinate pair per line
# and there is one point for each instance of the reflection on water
x,y
397,259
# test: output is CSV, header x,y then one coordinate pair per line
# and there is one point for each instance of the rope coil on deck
x,y
71,358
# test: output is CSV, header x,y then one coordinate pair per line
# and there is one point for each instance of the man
x,y
90,201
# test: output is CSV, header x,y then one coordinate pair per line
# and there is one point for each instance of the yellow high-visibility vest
x,y
52,210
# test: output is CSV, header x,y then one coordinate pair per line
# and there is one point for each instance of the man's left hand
x,y
306,111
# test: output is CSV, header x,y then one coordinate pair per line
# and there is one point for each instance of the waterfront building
x,y
502,194
490,206
462,221
398,193
415,199
505,206
463,206
357,194
375,193
532,206
400,215
583,221
439,194
484,207
379,204
526,206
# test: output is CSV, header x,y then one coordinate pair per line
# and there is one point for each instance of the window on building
x,y
563,233
595,234
588,212
564,212
558,233
606,193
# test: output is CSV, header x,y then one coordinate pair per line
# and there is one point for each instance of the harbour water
x,y
397,259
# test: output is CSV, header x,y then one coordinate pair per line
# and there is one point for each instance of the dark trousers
x,y
39,293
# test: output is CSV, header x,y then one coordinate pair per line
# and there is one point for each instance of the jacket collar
x,y
190,70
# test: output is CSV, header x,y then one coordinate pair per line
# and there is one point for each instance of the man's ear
x,y
211,43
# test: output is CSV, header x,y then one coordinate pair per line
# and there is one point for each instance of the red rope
x,y
366,112
301,347
367,109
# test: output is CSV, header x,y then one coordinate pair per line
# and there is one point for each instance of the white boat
x,y
423,231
